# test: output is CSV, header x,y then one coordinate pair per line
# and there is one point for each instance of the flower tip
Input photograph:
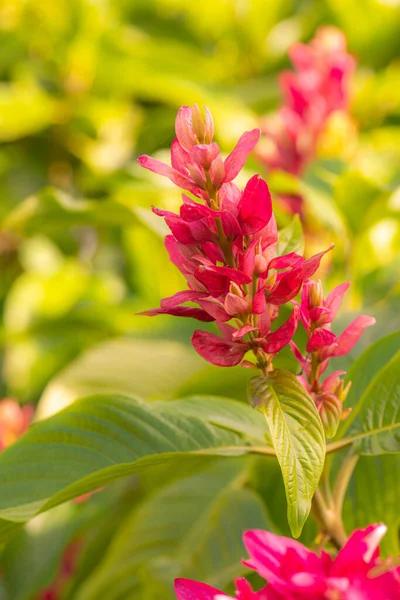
x,y
373,540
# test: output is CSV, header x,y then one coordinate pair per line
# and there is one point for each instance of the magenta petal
x,y
287,260
193,211
217,279
180,298
215,309
319,339
237,158
287,287
334,299
218,351
230,225
240,333
311,264
278,339
184,128
179,228
186,589
156,166
204,154
352,334
255,207
266,552
179,157
180,311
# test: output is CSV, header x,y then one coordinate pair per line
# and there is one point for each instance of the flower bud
x,y
271,279
198,124
330,411
235,302
205,154
217,172
316,294
260,264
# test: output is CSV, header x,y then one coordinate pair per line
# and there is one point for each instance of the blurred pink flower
x,y
294,572
14,421
317,88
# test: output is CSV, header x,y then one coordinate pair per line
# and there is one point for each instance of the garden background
x,y
86,87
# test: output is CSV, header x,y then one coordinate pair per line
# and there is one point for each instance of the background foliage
x,y
87,86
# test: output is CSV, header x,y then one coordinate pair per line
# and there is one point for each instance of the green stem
x,y
329,520
343,479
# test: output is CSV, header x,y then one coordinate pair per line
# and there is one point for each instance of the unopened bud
x,y
184,128
209,130
205,154
217,172
260,264
316,294
235,305
330,411
271,279
198,125
196,175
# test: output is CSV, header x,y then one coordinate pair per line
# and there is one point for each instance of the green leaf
x,y
373,496
192,528
98,440
290,238
375,426
222,412
52,210
298,438
364,369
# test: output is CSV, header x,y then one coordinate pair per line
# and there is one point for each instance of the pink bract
x,y
293,572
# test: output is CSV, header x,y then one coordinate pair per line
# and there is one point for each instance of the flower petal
x,y
319,339
217,351
237,158
186,589
255,207
352,334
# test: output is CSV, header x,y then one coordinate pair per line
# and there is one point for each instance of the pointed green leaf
x,y
376,422
191,528
297,435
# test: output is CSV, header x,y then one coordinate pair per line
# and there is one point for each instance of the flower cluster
x,y
317,314
226,247
317,88
14,421
295,573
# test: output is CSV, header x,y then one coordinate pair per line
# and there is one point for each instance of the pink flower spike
x,y
186,589
351,335
237,158
255,207
217,351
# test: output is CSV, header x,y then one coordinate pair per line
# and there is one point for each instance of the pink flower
x,y
294,572
318,87
14,421
186,589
